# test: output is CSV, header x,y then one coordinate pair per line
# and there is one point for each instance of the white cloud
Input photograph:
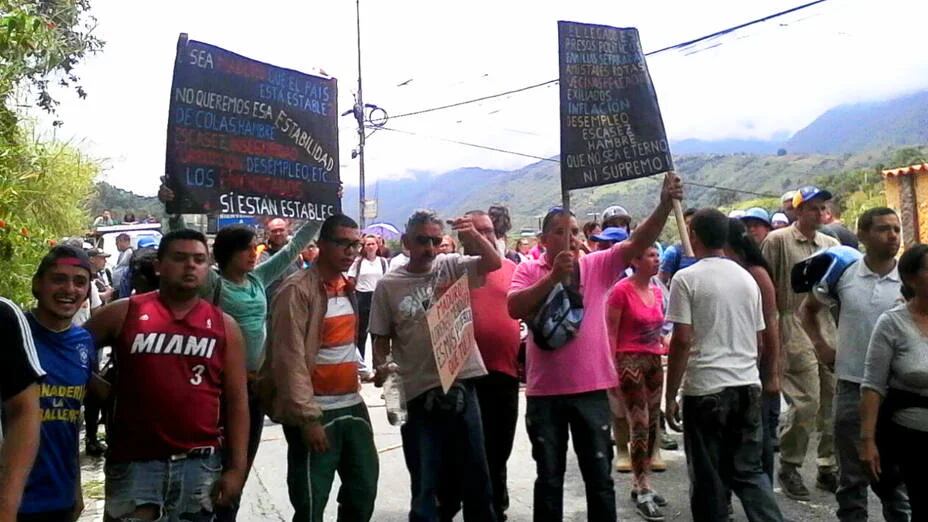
x,y
768,79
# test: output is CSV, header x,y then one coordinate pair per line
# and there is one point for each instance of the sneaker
x,y
827,480
792,484
647,508
95,448
659,500
668,443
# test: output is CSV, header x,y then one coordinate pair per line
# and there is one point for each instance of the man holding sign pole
x,y
442,437
566,387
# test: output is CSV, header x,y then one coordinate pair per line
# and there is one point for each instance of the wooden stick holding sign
x,y
681,227
611,126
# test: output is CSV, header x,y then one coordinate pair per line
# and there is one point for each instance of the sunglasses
x,y
425,240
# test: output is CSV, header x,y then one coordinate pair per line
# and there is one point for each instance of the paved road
x,y
265,497
266,493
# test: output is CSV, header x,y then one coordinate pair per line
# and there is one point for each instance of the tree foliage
x,y
41,44
44,185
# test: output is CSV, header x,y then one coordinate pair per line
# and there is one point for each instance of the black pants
x,y
255,428
911,452
64,515
364,316
93,414
498,395
723,439
550,422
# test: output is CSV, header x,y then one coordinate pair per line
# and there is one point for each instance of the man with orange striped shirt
x,y
310,382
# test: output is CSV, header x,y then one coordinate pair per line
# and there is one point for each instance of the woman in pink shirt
x,y
634,318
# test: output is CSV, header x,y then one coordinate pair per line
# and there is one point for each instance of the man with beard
x,y
442,437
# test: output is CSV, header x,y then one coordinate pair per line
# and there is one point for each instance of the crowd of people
x,y
626,339
107,218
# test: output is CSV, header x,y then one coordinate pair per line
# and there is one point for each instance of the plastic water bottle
x,y
394,396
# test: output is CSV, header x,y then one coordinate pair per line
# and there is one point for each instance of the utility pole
x,y
359,115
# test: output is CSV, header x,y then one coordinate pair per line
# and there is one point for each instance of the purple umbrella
x,y
384,230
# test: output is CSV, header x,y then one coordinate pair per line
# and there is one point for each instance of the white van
x,y
104,238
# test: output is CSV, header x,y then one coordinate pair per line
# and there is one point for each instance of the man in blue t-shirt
x,y
66,353
674,259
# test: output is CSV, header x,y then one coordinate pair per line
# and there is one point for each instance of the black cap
x,y
64,254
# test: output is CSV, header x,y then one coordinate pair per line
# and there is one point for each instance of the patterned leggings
x,y
641,383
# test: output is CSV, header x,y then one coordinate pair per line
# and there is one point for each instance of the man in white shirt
x,y
715,306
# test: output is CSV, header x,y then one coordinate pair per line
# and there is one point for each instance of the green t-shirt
x,y
247,302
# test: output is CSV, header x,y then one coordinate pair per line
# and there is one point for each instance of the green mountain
x,y
712,180
850,128
119,201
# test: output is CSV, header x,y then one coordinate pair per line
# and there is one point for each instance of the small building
x,y
907,194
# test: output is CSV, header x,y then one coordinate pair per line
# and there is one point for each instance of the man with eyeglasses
x,y
442,439
309,382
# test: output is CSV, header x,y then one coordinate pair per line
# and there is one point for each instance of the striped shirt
x,y
19,360
335,378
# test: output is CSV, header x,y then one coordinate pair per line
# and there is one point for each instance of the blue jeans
x,y
446,457
723,442
853,479
589,420
180,489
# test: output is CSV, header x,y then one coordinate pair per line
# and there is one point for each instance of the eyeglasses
x,y
345,243
425,240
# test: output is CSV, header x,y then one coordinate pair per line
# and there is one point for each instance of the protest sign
x,y
451,326
249,138
611,126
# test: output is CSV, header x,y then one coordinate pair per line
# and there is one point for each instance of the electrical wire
x,y
553,160
474,145
475,100
680,45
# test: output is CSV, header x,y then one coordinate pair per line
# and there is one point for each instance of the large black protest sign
x,y
249,138
611,127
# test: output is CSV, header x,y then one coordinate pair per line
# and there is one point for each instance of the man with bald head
x,y
278,235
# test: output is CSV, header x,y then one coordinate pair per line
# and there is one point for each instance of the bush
x,y
44,187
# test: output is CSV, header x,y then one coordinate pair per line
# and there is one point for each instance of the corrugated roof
x,y
906,171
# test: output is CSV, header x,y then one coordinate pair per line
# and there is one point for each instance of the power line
x,y
474,145
650,53
553,160
475,100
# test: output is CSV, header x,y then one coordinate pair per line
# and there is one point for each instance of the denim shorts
x,y
180,489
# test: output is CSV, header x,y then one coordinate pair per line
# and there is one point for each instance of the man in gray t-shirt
x,y
715,306
442,438
867,288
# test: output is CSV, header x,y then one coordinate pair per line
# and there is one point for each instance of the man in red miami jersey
x,y
178,359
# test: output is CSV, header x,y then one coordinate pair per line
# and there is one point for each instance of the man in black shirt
x,y
835,228
20,374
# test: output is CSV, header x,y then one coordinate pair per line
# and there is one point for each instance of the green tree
x,y
41,44
44,185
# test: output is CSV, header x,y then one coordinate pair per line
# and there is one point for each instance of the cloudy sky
x,y
767,80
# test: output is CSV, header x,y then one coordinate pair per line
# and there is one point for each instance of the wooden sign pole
x,y
681,227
